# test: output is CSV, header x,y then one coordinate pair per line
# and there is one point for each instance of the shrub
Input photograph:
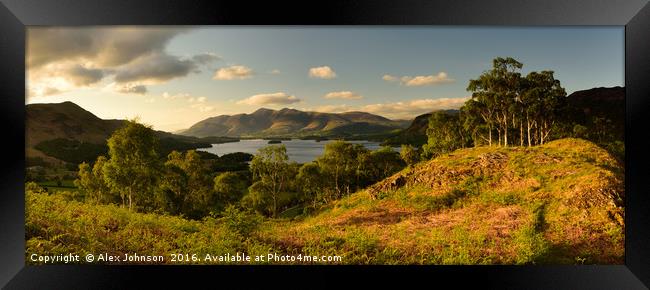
x,y
244,223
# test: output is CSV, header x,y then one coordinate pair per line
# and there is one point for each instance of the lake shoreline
x,y
298,150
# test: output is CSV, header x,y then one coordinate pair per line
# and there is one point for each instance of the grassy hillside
x,y
556,203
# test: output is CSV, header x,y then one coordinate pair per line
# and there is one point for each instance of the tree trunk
x,y
505,127
336,180
521,133
490,135
130,200
499,132
275,205
528,129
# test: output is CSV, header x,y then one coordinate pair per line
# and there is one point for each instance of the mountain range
x,y
290,122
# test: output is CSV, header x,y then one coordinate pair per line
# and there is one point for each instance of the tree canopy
x,y
133,164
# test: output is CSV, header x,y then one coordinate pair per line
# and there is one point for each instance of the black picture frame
x,y
15,15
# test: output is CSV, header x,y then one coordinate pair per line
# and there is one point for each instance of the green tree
x,y
133,167
340,163
409,154
379,164
312,184
543,100
602,130
91,180
496,92
271,176
172,189
445,134
258,198
476,121
241,222
230,187
196,194
504,101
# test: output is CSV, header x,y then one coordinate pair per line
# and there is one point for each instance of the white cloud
x,y
279,98
202,107
413,108
348,95
235,72
36,93
167,95
184,96
130,88
275,72
198,103
331,109
322,72
389,78
397,110
51,91
418,81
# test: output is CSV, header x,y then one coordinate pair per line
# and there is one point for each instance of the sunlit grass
x,y
552,204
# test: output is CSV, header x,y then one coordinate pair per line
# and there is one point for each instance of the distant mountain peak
x,y
262,110
289,121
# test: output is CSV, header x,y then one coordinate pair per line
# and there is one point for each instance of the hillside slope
x,y
66,129
289,122
608,103
560,203
556,203
416,133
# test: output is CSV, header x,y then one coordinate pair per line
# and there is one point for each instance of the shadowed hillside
x,y
66,132
416,133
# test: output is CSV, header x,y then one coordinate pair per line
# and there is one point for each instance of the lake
x,y
301,151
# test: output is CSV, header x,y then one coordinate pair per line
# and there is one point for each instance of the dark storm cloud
x,y
160,67
82,76
104,47
155,68
132,56
205,58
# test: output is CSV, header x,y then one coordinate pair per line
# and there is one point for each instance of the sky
x,y
174,76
